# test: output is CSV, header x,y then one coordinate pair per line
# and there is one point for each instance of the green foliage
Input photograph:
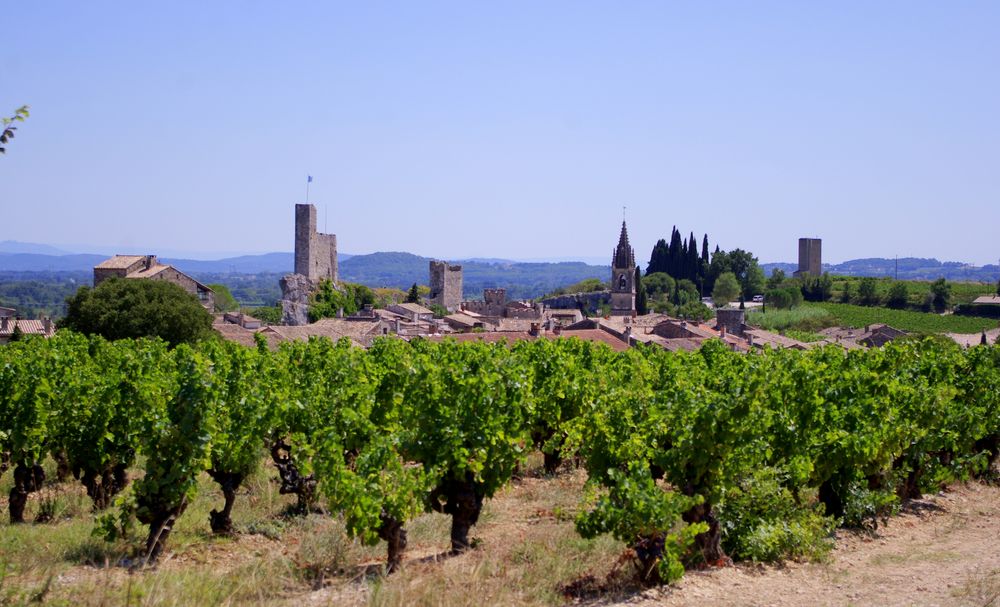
x,y
121,308
588,285
413,296
906,320
224,300
726,289
439,310
7,133
775,280
762,521
899,294
640,293
867,292
784,298
330,300
659,285
269,315
803,318
941,295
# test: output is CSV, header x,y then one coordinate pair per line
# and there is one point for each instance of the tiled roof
x,y
490,337
119,262
334,328
149,272
28,327
245,337
414,308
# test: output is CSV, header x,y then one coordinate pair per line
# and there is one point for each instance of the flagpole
x,y
307,189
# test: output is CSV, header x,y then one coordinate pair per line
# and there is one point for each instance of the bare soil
x,y
943,550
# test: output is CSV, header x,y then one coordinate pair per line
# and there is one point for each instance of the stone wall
x,y
315,253
446,285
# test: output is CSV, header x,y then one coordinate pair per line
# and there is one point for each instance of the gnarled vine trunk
x,y
709,543
161,523
991,445
395,537
830,497
104,486
464,502
27,479
230,482
292,481
648,551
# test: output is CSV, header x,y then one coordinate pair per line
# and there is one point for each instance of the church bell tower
x,y
623,277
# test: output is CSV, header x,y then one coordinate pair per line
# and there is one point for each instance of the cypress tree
x,y
413,296
692,261
640,292
674,258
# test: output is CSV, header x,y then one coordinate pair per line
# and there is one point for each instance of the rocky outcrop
x,y
295,292
588,302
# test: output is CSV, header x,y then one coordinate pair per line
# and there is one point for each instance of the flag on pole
x,y
309,178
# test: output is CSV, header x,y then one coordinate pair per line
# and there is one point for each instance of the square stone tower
x,y
315,253
446,285
810,257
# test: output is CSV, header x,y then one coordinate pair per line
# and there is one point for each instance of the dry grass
x,y
528,550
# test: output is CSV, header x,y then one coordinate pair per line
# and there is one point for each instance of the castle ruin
x,y
315,253
315,261
446,285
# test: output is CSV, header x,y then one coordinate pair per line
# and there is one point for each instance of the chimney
x,y
750,339
534,329
722,331
47,324
626,334
150,261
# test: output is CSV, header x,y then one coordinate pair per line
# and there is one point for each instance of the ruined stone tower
x,y
446,285
810,257
315,253
623,277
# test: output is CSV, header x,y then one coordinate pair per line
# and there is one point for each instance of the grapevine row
x,y
678,447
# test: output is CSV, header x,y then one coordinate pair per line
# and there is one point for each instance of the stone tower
x,y
446,285
810,257
623,277
315,253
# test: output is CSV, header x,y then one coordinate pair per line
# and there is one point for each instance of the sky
x,y
513,130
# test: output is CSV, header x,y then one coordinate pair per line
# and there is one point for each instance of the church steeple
x,y
623,277
624,256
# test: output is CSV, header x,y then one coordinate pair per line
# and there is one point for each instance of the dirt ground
x,y
943,550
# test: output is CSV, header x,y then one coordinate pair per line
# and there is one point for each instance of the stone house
x,y
149,268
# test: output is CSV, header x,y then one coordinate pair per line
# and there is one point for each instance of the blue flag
x,y
310,178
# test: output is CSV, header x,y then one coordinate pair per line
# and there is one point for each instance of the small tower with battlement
x,y
623,277
315,253
446,285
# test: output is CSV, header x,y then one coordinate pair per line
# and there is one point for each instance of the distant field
x,y
810,317
923,322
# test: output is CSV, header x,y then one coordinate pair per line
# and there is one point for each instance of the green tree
x,y
685,292
640,293
120,308
659,285
414,295
776,279
898,295
439,310
748,273
224,300
941,291
727,288
845,294
867,292
8,129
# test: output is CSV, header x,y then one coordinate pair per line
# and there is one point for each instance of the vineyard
x,y
691,459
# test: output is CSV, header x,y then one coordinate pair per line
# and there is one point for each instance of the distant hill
x,y
13,246
522,280
910,268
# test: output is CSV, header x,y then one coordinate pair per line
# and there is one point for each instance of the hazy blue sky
x,y
506,129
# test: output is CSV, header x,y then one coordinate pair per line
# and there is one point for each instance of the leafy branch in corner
x,y
8,129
